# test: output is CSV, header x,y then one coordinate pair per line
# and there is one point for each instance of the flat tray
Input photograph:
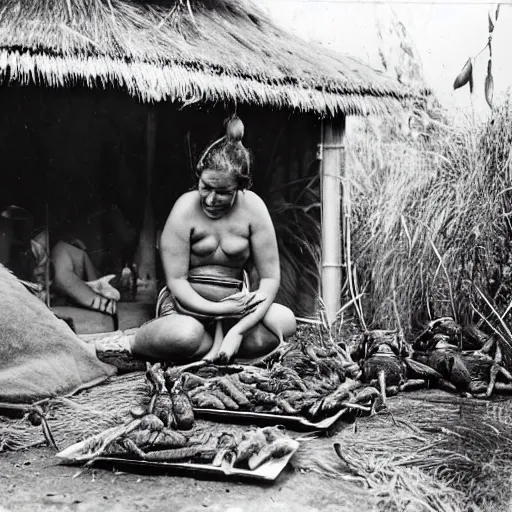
x,y
268,471
261,418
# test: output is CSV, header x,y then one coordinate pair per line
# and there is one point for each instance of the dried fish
x,y
333,402
261,397
155,376
178,454
252,442
163,409
191,381
226,446
232,391
206,400
228,402
254,376
277,449
288,378
167,438
285,406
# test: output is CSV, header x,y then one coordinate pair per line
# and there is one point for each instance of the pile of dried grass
x,y
74,418
427,451
428,219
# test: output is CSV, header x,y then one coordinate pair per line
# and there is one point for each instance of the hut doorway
x,y
81,151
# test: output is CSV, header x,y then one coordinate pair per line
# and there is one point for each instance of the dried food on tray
x,y
304,384
279,392
147,439
231,397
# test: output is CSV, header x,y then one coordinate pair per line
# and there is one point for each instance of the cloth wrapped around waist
x,y
216,282
212,282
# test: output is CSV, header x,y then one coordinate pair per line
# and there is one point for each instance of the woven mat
x,y
406,454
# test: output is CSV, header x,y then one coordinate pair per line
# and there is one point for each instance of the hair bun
x,y
234,129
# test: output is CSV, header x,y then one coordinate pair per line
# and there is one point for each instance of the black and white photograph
x,y
255,256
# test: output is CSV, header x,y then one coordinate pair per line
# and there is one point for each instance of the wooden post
x,y
147,239
332,154
48,256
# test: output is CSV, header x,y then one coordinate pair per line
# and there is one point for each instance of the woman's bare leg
x,y
173,338
278,324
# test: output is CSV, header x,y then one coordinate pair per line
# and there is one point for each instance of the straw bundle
x,y
72,419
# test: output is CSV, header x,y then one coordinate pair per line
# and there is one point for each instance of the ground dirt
x,y
32,480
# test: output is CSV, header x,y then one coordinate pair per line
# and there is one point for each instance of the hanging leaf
x,y
497,11
489,84
490,16
465,76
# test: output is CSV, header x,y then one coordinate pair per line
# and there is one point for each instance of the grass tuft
x,y
431,221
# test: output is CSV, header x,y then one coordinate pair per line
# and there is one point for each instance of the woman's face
x,y
217,192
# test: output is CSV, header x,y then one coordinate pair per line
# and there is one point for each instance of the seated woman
x,y
212,235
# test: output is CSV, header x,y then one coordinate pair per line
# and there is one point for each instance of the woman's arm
x,y
175,253
65,258
266,261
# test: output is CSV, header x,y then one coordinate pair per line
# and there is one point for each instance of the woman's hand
x,y
103,287
106,297
229,347
241,303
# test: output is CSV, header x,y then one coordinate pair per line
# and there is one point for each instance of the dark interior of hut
x,y
69,154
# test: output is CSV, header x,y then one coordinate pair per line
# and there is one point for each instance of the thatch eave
x,y
150,83
153,49
322,86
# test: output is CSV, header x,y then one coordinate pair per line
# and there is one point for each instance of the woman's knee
x,y
168,336
289,322
259,342
187,331
281,320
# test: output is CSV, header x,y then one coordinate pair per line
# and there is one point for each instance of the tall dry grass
x,y
430,220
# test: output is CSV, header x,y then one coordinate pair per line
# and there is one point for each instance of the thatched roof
x,y
210,50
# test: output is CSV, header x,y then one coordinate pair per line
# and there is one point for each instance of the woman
x,y
214,234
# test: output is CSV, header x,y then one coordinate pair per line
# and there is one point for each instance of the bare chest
x,y
221,241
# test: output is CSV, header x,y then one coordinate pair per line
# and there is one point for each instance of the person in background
x,y
72,276
212,237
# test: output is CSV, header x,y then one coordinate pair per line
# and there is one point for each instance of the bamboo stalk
x,y
331,151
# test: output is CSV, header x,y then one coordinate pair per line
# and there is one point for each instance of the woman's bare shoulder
x,y
255,203
253,200
186,203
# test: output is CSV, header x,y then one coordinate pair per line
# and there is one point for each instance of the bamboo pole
x,y
332,155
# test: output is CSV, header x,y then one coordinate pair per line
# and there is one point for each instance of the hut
x,y
110,102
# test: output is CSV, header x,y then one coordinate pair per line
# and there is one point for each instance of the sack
x,y
40,356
